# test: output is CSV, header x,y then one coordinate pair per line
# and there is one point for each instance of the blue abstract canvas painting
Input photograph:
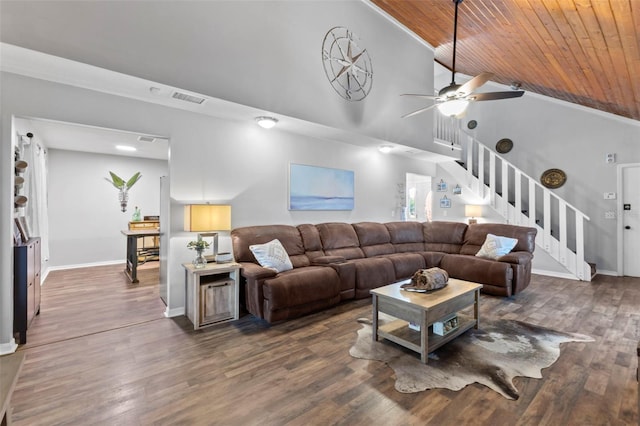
x,y
320,188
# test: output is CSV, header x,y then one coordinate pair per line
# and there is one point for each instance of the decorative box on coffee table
x,y
212,293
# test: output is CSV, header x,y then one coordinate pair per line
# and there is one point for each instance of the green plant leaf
x,y
133,180
116,180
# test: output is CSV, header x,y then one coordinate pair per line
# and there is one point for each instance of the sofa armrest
x,y
327,260
256,272
517,257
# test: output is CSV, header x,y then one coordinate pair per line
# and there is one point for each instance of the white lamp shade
x,y
207,217
471,210
453,107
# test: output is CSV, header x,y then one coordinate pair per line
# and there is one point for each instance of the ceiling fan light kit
x,y
454,107
454,99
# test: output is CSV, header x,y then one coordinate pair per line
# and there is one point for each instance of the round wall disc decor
x,y
553,178
472,124
504,145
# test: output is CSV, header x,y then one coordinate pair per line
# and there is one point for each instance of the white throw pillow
x,y
272,255
495,247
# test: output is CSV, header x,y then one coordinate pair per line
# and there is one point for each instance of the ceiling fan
x,y
454,99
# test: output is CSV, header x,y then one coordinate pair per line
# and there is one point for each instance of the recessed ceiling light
x,y
385,149
125,148
266,122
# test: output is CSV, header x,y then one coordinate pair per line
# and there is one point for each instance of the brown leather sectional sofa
x,y
333,262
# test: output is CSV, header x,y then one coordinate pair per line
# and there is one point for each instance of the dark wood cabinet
x,y
26,286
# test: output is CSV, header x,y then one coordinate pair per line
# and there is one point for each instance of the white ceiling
x,y
76,137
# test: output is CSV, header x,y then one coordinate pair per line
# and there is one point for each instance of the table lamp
x,y
472,211
205,219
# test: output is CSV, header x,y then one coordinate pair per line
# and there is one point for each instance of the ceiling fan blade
x,y
411,114
420,96
477,81
492,96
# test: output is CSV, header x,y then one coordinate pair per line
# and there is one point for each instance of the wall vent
x,y
146,138
188,98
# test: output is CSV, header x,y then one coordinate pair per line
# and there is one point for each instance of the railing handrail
x,y
535,182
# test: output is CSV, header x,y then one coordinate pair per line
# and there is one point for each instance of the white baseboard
x,y
609,273
569,276
8,348
85,265
175,312
555,274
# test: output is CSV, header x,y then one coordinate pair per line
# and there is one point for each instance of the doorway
x,y
629,219
418,202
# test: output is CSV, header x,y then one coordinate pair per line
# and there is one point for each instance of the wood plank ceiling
x,y
582,51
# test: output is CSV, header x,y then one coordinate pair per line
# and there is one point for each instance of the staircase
x,y
518,198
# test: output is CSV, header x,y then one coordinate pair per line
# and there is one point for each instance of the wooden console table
x,y
131,269
10,366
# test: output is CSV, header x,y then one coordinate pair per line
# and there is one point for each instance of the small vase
x,y
199,261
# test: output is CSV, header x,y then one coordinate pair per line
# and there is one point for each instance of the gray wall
x,y
85,219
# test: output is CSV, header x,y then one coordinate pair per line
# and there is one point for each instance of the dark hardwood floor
x,y
144,369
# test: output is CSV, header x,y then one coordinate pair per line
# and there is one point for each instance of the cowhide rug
x,y
492,356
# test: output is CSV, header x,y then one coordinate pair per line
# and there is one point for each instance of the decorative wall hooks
x,y
553,178
504,145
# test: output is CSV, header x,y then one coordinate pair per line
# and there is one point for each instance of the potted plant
x,y
199,246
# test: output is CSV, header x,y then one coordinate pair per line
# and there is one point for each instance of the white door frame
x,y
620,236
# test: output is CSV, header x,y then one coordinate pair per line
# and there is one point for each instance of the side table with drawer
x,y
212,293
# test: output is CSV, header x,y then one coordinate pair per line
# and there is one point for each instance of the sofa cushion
x,y
301,286
476,269
272,255
477,233
446,237
495,247
406,264
340,239
374,238
311,241
289,236
406,236
371,273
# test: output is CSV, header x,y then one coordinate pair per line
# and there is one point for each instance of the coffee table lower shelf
x,y
398,331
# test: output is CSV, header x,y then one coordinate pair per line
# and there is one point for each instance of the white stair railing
x,y
521,200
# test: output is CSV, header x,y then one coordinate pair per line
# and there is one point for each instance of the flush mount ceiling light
x,y
125,148
266,122
385,149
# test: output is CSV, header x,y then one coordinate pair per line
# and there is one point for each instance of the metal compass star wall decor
x,y
347,65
